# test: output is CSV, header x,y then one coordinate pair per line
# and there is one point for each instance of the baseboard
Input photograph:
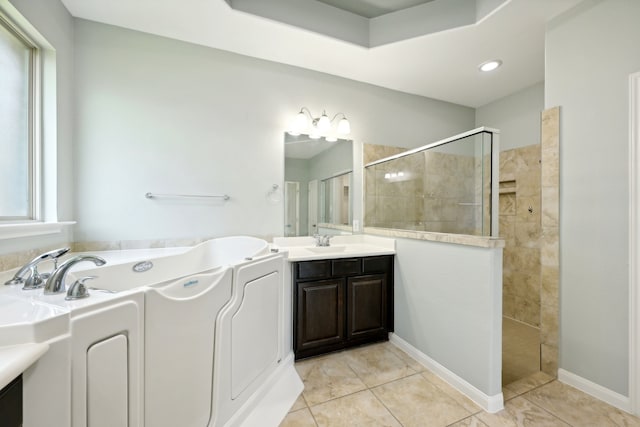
x,y
490,404
595,390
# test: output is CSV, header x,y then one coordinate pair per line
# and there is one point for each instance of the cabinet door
x,y
367,307
320,315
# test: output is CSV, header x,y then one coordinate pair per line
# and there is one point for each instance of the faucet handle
x,y
55,254
35,279
79,289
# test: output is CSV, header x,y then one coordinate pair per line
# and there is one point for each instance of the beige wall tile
x,y
549,286
550,248
549,359
550,207
549,325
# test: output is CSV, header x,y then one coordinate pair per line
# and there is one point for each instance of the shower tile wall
x,y
451,195
520,227
437,192
395,202
550,141
373,152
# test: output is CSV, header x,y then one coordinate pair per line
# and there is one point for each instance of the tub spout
x,y
55,283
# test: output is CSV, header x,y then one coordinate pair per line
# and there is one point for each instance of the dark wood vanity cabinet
x,y
339,303
11,404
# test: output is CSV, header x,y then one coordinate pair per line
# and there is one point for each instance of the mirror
x,y
318,190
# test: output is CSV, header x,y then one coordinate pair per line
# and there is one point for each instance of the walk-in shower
x,y
442,187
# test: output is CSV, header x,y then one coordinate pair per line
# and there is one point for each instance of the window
x,y
19,129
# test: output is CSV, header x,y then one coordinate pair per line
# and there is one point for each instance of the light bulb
x,y
344,127
314,134
490,65
324,124
300,123
330,138
387,175
400,173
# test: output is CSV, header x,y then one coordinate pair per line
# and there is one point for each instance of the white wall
x,y
590,53
159,115
517,116
452,314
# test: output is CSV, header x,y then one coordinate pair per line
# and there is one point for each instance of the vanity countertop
x,y
304,249
15,359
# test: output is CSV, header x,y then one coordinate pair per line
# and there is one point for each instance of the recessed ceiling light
x,y
490,65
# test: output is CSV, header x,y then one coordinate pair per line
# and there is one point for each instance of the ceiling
x,y
373,8
441,65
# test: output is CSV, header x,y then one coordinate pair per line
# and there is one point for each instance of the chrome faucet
x,y
55,283
322,239
35,279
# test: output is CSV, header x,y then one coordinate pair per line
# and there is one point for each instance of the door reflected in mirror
x,y
318,186
336,199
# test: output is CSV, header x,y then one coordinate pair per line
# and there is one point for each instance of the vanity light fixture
x,y
317,127
490,65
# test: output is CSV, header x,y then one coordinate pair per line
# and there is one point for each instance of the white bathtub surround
x,y
15,359
156,328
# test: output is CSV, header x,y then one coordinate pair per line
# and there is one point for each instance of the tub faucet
x,y
322,239
55,283
35,279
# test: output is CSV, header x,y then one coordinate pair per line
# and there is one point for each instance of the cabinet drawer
x,y
314,269
341,267
377,264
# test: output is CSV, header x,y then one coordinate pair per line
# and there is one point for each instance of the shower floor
x,y
520,350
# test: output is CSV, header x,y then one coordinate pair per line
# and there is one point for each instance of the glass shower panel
x,y
443,187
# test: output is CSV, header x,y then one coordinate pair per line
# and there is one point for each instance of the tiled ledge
x,y
458,239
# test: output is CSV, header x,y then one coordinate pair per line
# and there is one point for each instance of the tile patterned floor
x,y
379,385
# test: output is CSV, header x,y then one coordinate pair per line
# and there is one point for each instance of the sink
x,y
326,249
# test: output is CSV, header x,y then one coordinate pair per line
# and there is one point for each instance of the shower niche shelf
x,y
507,186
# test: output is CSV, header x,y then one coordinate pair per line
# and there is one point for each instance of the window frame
x,y
34,213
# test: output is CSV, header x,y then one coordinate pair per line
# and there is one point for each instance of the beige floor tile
x,y
415,401
300,418
508,394
578,408
460,398
529,383
359,409
327,378
410,361
519,412
298,404
377,364
472,421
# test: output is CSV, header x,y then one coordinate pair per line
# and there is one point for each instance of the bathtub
x,y
193,338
